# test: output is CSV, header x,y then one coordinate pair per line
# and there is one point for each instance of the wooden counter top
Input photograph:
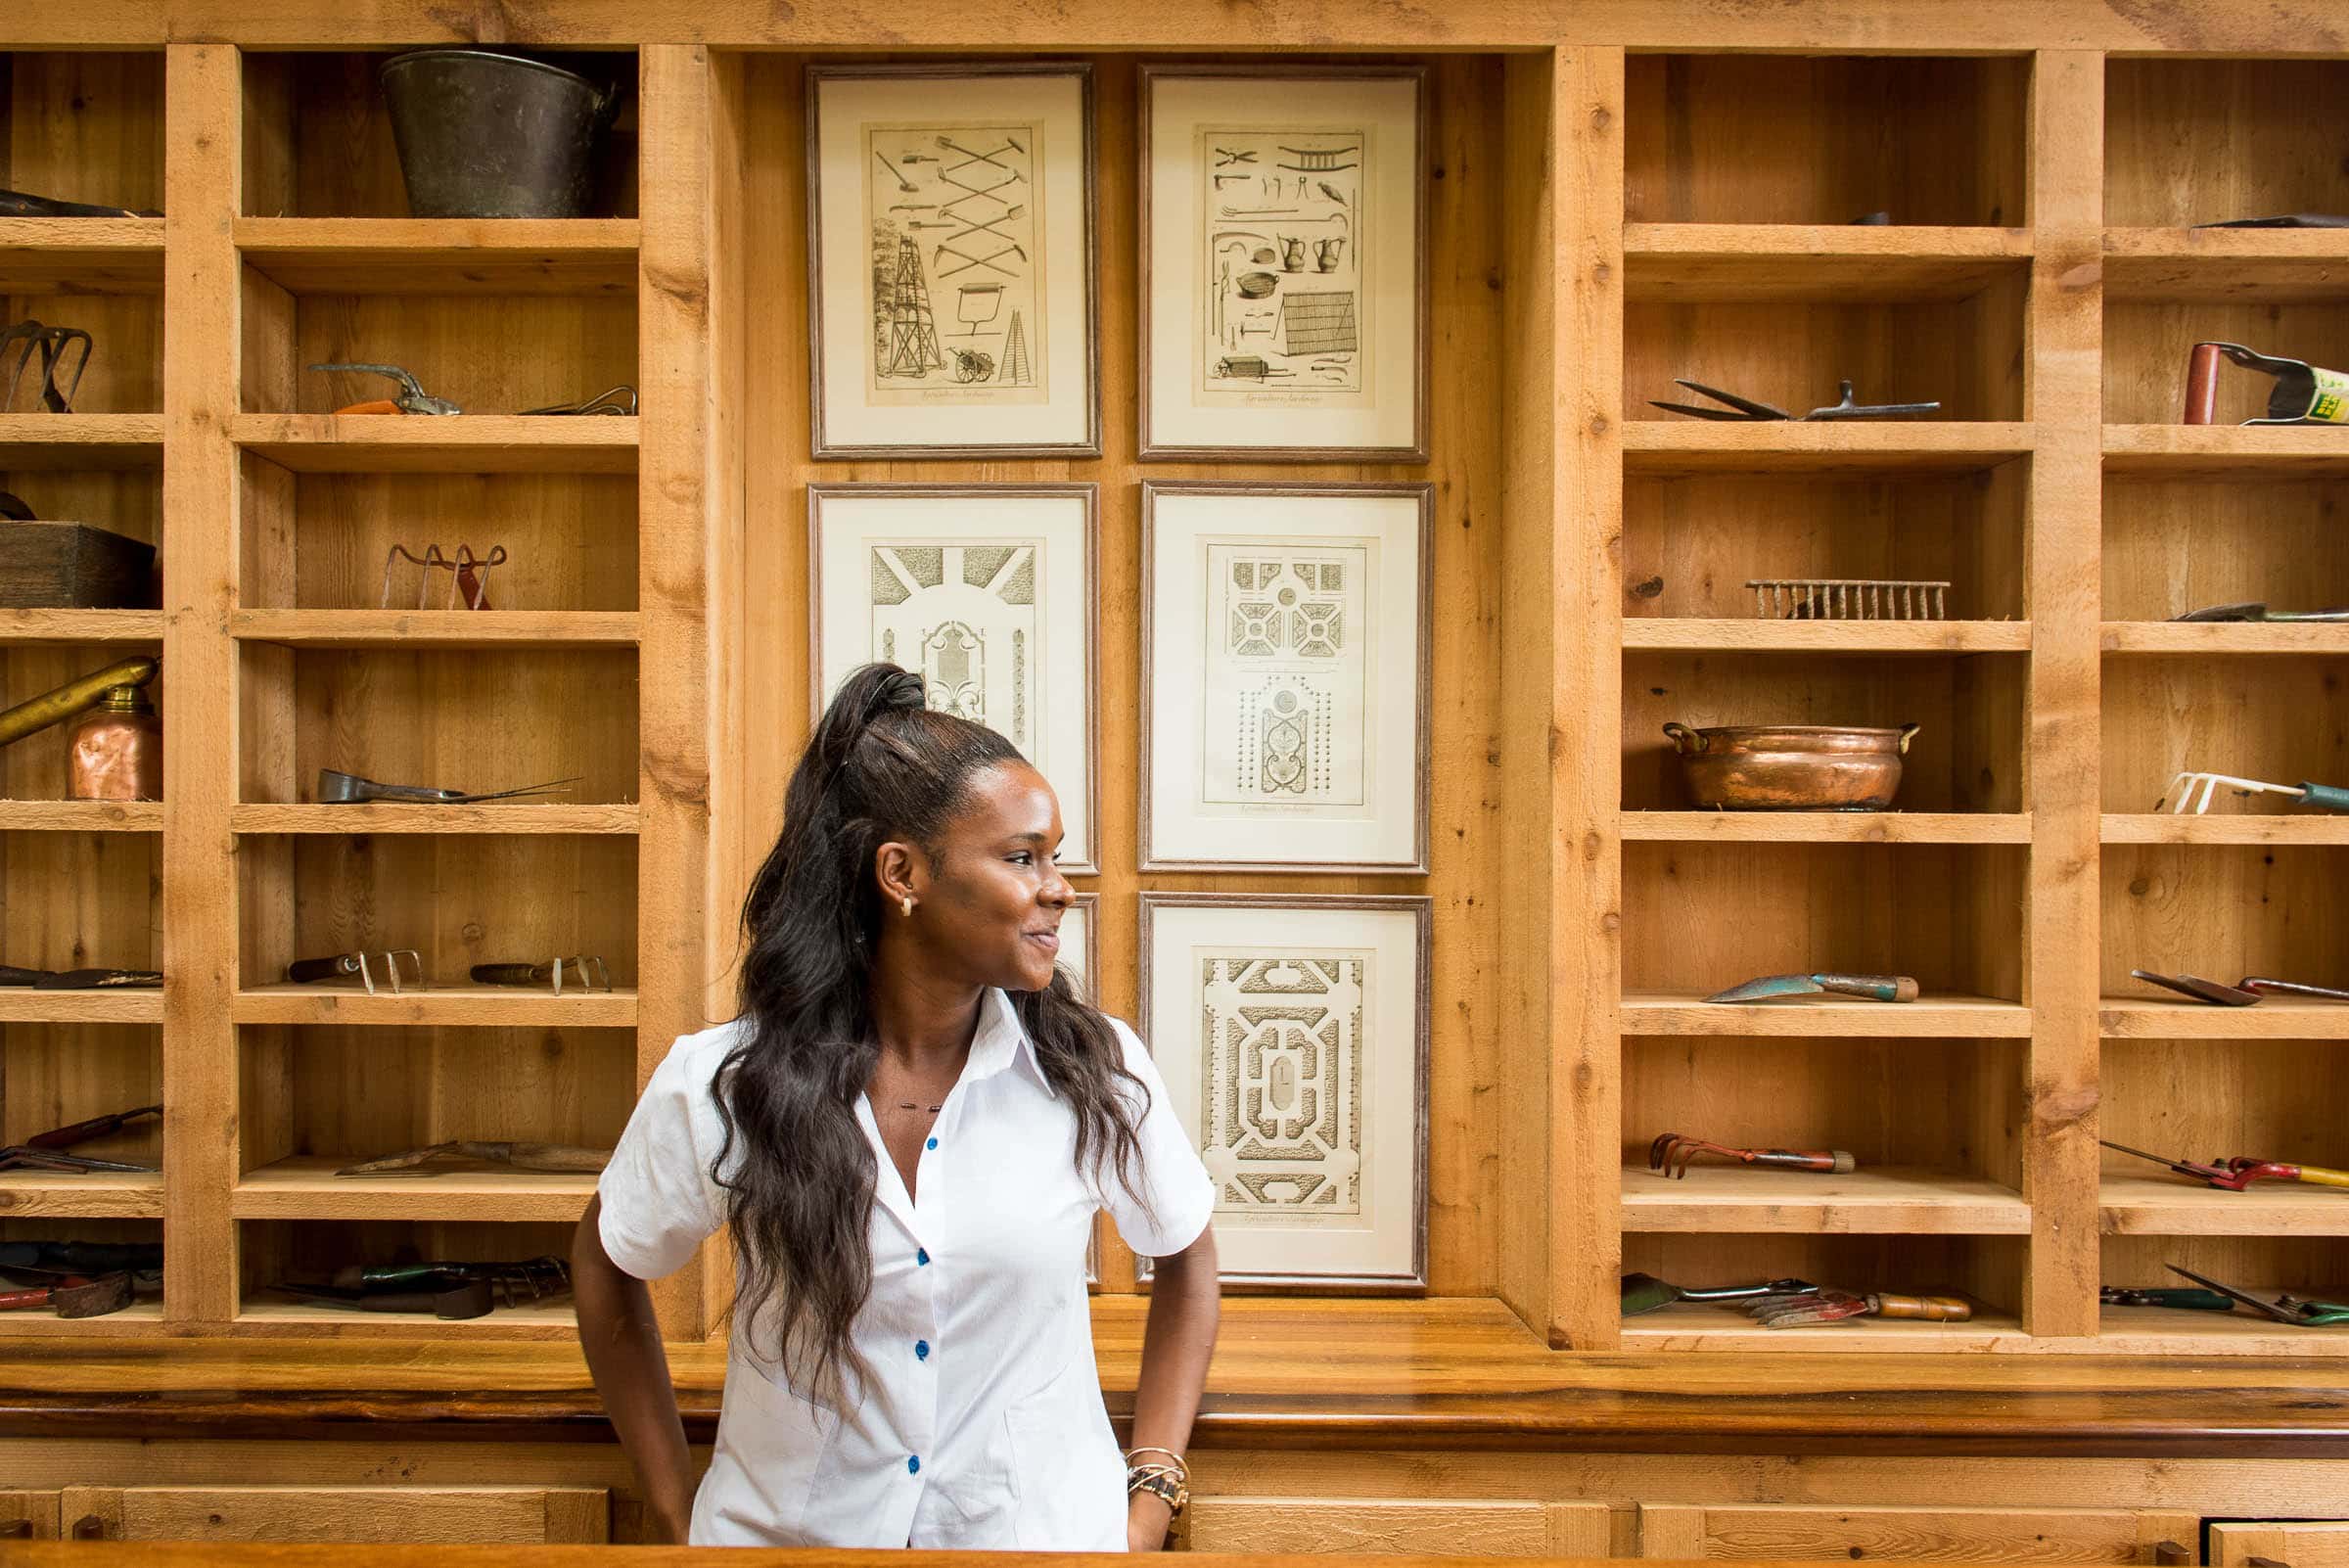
x,y
246,1554
1454,1373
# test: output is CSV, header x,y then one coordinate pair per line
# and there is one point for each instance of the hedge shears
x,y
2238,1174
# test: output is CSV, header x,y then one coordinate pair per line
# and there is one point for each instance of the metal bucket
x,y
484,135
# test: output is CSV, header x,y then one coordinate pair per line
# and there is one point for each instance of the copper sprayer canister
x,y
116,752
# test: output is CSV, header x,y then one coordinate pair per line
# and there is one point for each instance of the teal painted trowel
x,y
1869,988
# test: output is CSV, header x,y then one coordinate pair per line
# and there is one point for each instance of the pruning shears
x,y
2238,1174
2284,1309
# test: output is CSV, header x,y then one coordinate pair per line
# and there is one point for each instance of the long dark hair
x,y
881,766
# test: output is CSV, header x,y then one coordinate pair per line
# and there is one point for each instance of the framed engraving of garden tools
x,y
987,593
1292,1033
1284,290
950,272
1285,676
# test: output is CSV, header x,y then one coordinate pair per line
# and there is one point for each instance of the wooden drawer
x,y
481,1515
1481,1528
1910,1535
2301,1544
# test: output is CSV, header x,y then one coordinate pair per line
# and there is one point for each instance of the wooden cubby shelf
x,y
1662,446
2201,639
2223,267
81,816
485,443
1695,635
1826,827
344,255
31,628
1931,1014
1890,1201
2175,1018
2162,827
82,1195
82,255
437,628
1728,261
91,441
485,817
305,1187
481,1006
23,1006
2225,451
2174,1206
2153,1331
1696,1326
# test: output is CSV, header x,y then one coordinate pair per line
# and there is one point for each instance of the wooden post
x,y
2062,780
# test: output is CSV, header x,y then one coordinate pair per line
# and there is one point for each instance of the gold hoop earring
x,y
906,903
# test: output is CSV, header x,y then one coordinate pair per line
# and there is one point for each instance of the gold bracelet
x,y
1162,1481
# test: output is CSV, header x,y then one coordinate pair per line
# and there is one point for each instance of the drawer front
x,y
1910,1535
2302,1545
487,1515
1379,1527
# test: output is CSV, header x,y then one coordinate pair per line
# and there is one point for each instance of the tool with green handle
x,y
2177,1296
2284,1309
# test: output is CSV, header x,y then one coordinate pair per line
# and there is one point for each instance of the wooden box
x,y
72,565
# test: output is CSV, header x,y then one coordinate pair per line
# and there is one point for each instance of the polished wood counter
x,y
1451,1374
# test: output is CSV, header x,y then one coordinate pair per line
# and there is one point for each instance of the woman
x,y
909,1128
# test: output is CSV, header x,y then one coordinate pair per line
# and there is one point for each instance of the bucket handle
x,y
1688,742
1907,734
13,508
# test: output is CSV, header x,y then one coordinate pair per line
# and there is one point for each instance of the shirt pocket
x,y
771,1444
1072,1480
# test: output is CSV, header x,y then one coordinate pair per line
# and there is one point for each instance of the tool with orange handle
x,y
2238,1174
412,398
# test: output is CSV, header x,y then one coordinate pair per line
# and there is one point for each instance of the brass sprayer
x,y
77,696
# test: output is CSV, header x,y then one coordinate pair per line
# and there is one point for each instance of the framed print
x,y
1292,1033
1285,676
987,593
950,274
1284,263
1076,944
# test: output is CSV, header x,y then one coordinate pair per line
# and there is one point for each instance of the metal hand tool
x,y
343,965
1671,1152
467,580
473,1299
81,979
1833,1305
97,1127
17,1156
1849,598
1746,408
522,1156
531,1279
620,399
2179,1296
2303,395
1646,1293
2284,1309
54,344
2238,1174
412,398
2245,993
2285,220
2193,792
45,1151
348,789
73,1296
587,971
1871,988
2260,611
23,204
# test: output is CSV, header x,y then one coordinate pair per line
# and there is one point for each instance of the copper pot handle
x,y
1907,734
1682,736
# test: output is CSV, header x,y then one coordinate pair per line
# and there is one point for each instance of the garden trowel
x,y
1871,988
1646,1293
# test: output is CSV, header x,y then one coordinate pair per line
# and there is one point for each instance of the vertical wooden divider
x,y
2064,786
201,171
1585,712
677,487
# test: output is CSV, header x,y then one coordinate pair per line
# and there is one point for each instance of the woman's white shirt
x,y
982,1425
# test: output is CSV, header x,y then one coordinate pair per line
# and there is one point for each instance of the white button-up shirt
x,y
982,1425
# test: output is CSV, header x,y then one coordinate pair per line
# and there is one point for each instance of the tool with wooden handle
x,y
1646,1293
522,1156
1834,1306
1869,988
1671,1152
2238,1174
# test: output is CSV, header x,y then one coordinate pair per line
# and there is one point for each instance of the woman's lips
x,y
1050,940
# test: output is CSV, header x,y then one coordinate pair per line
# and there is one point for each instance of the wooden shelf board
x,y
2175,1018
25,628
1727,262
2213,266
1825,636
81,816
2220,451
1929,1016
82,255
2161,1205
481,1006
82,1194
459,444
305,1187
1669,445
139,1319
268,1315
80,440
2203,638
487,816
2161,827
1826,827
21,1004
1741,1200
442,256
1699,1326
2152,1331
437,628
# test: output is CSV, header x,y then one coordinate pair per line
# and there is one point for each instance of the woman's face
x,y
989,910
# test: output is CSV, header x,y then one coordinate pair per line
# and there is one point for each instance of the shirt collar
x,y
1001,1042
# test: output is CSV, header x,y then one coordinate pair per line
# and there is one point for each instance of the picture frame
x,y
978,333
1284,263
1030,547
1080,926
1352,1218
1289,739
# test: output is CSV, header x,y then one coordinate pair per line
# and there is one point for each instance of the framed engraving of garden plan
x,y
1292,1033
987,593
951,261
1285,676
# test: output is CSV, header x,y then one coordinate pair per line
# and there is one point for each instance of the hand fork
x,y
2193,793
1671,1152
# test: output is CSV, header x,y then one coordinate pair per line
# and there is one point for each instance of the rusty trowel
x,y
1871,988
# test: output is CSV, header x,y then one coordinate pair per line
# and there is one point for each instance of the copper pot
x,y
1792,767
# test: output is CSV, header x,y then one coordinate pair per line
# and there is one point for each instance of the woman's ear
x,y
903,872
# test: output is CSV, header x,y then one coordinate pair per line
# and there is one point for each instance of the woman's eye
x,y
1022,858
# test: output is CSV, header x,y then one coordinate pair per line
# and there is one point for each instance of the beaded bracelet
x,y
1169,1483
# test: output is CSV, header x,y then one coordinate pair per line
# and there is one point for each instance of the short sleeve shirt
x,y
983,1424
